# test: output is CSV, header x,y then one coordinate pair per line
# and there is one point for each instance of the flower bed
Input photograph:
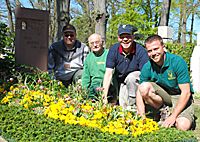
x,y
78,110
50,100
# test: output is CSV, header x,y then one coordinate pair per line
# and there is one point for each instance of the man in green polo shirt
x,y
94,70
165,81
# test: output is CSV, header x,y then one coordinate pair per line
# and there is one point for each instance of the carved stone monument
x,y
31,43
166,33
195,66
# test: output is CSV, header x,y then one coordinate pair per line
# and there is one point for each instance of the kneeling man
x,y
165,81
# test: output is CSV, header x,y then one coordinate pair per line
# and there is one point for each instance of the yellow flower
x,y
26,106
82,121
45,104
15,89
1,89
97,115
5,100
11,88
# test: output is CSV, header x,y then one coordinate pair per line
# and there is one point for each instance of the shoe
x,y
164,113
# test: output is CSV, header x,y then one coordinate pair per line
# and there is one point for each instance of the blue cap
x,y
128,29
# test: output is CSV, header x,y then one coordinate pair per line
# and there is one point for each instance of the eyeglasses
x,y
95,42
125,36
67,35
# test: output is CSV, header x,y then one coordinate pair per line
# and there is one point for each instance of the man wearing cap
x,y
125,59
66,57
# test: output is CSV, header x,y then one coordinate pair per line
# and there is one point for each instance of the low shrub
x,y
19,124
185,53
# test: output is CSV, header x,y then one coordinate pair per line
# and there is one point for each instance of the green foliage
x,y
6,55
130,14
84,27
177,48
6,38
18,124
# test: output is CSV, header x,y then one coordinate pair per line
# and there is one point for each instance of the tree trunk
x,y
149,11
10,21
183,40
192,24
63,17
156,14
53,21
18,3
180,23
164,19
191,28
32,4
100,18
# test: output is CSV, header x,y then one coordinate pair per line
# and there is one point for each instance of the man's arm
x,y
85,52
51,63
140,104
106,84
85,81
182,102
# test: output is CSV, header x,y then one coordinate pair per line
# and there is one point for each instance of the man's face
x,y
156,52
95,43
69,38
126,40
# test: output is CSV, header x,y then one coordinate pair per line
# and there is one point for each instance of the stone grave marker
x,y
31,42
166,33
195,66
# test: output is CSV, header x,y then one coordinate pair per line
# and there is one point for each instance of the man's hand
x,y
169,122
104,98
100,89
106,84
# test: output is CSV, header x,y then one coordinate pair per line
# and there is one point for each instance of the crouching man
x,y
165,81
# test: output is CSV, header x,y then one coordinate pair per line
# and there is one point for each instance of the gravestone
x,y
195,66
166,33
31,43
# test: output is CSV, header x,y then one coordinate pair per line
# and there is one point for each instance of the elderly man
x,y
66,57
94,69
165,82
125,58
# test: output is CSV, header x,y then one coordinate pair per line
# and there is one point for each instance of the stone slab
x,y
166,33
31,42
195,69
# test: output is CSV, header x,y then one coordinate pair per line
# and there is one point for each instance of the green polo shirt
x,y
93,72
173,72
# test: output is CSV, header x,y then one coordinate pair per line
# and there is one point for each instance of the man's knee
x,y
77,76
144,89
133,77
183,123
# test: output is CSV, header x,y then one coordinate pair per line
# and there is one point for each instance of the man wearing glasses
x,y
66,57
125,58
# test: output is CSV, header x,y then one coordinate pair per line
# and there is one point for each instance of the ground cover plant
x,y
19,124
36,105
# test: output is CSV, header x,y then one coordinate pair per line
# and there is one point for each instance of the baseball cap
x,y
69,28
128,29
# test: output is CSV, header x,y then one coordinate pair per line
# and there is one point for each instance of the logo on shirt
x,y
170,75
99,63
